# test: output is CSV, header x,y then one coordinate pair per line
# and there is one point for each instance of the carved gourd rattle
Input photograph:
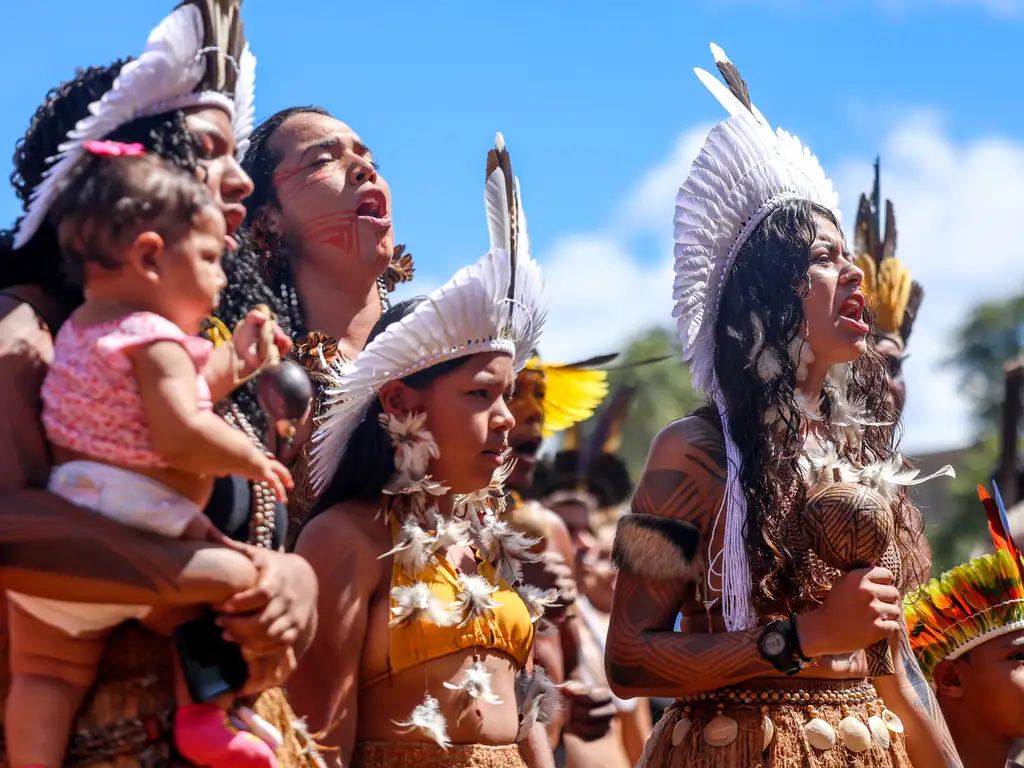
x,y
283,389
851,526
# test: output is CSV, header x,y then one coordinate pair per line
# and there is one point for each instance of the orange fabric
x,y
509,629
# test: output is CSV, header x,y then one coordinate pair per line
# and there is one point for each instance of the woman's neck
x,y
346,311
810,387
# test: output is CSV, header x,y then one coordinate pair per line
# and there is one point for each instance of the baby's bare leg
x,y
51,672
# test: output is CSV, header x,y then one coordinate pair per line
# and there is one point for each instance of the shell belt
x,y
852,732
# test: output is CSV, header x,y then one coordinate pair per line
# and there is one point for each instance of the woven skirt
x,y
399,754
779,723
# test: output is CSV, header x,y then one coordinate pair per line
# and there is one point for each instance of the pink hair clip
x,y
113,149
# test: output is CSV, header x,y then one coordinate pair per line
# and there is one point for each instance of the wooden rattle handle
x,y
265,346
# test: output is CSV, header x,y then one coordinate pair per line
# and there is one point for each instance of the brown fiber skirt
x,y
790,705
399,754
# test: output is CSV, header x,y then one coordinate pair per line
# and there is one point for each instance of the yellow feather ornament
x,y
571,394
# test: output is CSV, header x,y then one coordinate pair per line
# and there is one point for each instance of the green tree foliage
x,y
989,337
663,392
953,539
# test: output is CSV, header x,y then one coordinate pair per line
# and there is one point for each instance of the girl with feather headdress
x,y
967,631
424,651
776,518
188,99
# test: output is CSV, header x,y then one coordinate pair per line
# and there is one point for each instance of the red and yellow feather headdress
x,y
972,603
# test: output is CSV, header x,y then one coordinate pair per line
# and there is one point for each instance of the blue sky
x,y
602,113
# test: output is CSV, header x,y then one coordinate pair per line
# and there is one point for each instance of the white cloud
x,y
957,204
956,209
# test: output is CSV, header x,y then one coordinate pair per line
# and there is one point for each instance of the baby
x,y
127,407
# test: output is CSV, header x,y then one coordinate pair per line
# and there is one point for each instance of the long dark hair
x,y
39,261
369,460
253,277
769,281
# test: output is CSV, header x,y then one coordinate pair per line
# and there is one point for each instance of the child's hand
x,y
247,339
275,474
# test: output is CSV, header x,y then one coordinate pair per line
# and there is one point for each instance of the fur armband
x,y
653,547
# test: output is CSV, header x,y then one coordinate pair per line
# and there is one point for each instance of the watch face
x,y
774,644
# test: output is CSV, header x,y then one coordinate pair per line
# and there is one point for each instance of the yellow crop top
x,y
509,629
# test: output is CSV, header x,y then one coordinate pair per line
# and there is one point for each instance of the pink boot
x,y
204,735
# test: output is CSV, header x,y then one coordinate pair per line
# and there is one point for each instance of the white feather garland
x,y
476,683
449,532
537,600
428,720
415,548
417,601
473,599
505,547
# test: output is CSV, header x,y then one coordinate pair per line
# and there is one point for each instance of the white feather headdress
x,y
495,305
185,63
744,170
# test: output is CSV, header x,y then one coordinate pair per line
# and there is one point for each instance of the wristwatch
x,y
780,645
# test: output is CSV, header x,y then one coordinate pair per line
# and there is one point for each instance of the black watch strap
x,y
777,644
795,637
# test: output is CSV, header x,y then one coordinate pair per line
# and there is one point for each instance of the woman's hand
x,y
862,608
270,619
246,339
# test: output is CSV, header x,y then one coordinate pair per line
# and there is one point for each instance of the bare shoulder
x,y
675,503
344,543
691,443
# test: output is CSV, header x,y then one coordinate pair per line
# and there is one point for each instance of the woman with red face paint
x,y
52,549
775,519
425,651
319,239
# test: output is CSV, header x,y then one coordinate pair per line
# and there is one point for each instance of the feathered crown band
x,y
972,603
196,56
744,171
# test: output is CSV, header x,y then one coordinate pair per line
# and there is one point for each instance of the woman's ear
x,y
398,399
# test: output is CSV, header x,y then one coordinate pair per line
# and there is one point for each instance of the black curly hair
x,y
38,262
769,282
254,278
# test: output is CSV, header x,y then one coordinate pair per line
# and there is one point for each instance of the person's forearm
x,y
536,749
661,663
673,664
52,548
910,697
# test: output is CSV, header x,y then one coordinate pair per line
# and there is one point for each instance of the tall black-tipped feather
x,y
499,158
223,42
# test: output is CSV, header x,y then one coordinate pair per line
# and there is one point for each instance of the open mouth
x,y
853,308
527,449
373,205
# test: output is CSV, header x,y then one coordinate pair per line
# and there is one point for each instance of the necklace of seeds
x,y
262,523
